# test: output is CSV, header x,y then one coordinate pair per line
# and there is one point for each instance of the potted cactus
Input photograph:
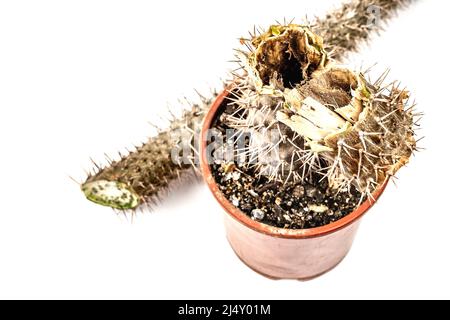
x,y
297,149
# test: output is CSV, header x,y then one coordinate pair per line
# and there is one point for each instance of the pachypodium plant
x,y
361,112
328,120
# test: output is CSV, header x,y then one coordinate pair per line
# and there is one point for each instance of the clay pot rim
x,y
259,226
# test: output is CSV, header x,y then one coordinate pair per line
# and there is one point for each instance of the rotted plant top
x,y
331,120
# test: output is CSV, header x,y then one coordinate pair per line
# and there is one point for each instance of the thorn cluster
x,y
330,120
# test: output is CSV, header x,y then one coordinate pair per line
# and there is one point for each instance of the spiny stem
x,y
140,177
345,28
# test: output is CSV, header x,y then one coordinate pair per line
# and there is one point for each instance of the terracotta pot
x,y
282,253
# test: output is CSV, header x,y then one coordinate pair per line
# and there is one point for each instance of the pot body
x,y
285,258
275,252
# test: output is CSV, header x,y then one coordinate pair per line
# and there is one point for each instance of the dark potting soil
x,y
290,205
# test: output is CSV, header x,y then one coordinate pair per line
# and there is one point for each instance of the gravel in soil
x,y
291,205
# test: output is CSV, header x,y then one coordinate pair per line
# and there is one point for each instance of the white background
x,y
80,78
